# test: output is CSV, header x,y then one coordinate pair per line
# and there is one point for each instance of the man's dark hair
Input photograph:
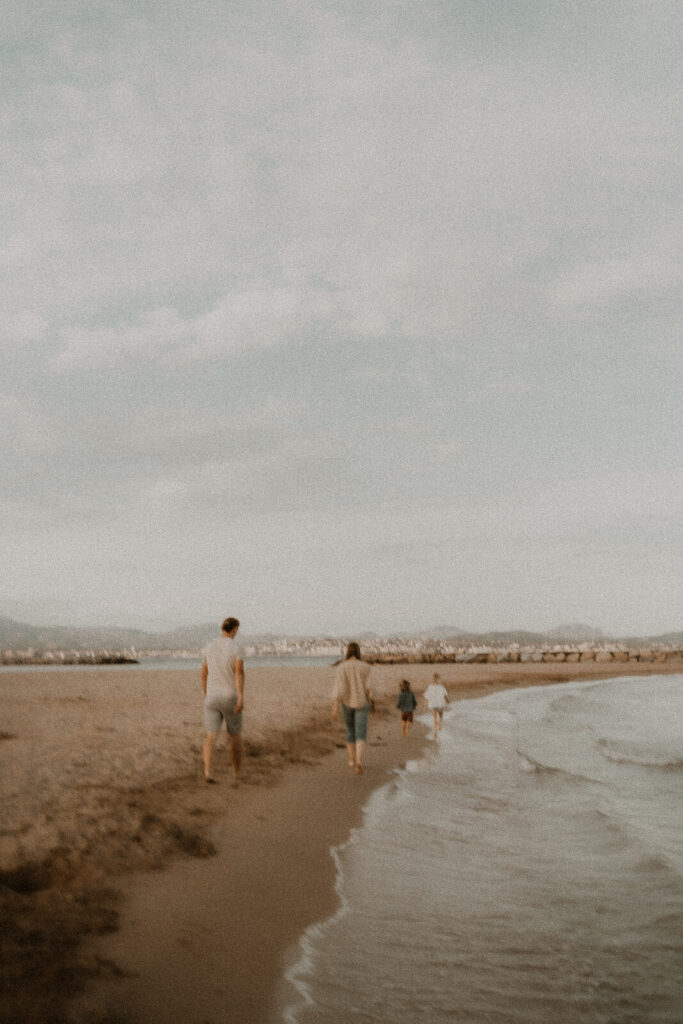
x,y
352,650
230,624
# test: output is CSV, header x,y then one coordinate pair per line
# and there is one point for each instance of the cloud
x,y
23,329
403,180
613,280
313,288
254,318
144,341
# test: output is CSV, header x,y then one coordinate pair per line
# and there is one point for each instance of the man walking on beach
x,y
223,689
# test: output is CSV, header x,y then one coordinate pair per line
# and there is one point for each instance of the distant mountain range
x,y
21,635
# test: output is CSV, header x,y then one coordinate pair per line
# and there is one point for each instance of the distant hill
x,y
185,637
669,639
442,633
21,635
498,638
578,632
662,639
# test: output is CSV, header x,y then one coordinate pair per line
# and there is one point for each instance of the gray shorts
x,y
219,709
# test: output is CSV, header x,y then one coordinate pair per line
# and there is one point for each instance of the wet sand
x,y
131,891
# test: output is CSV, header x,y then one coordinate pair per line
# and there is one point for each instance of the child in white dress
x,y
436,699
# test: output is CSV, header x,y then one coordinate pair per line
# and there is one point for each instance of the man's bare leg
x,y
207,754
236,754
360,750
351,747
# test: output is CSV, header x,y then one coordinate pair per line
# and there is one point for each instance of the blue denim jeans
x,y
356,722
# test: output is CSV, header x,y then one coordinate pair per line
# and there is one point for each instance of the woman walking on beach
x,y
352,691
406,704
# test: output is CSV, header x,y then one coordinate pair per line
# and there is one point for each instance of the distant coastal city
x,y
379,650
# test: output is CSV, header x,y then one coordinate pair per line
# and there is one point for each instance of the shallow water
x,y
529,869
171,664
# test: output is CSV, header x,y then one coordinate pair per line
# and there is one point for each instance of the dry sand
x,y
101,783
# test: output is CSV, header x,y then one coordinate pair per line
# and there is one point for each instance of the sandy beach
x,y
131,891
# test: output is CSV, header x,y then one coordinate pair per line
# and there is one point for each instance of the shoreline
x,y
106,790
217,954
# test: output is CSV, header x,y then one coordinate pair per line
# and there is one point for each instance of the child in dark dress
x,y
406,704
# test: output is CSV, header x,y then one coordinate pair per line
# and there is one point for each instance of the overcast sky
x,y
342,315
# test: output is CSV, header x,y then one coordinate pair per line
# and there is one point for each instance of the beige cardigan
x,y
351,685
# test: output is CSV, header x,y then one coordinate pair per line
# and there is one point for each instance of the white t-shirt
x,y
221,656
436,696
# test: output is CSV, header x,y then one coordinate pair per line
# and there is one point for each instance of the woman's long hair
x,y
353,650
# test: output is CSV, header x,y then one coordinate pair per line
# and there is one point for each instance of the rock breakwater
x,y
530,655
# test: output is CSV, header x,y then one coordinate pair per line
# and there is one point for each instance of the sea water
x,y
527,870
